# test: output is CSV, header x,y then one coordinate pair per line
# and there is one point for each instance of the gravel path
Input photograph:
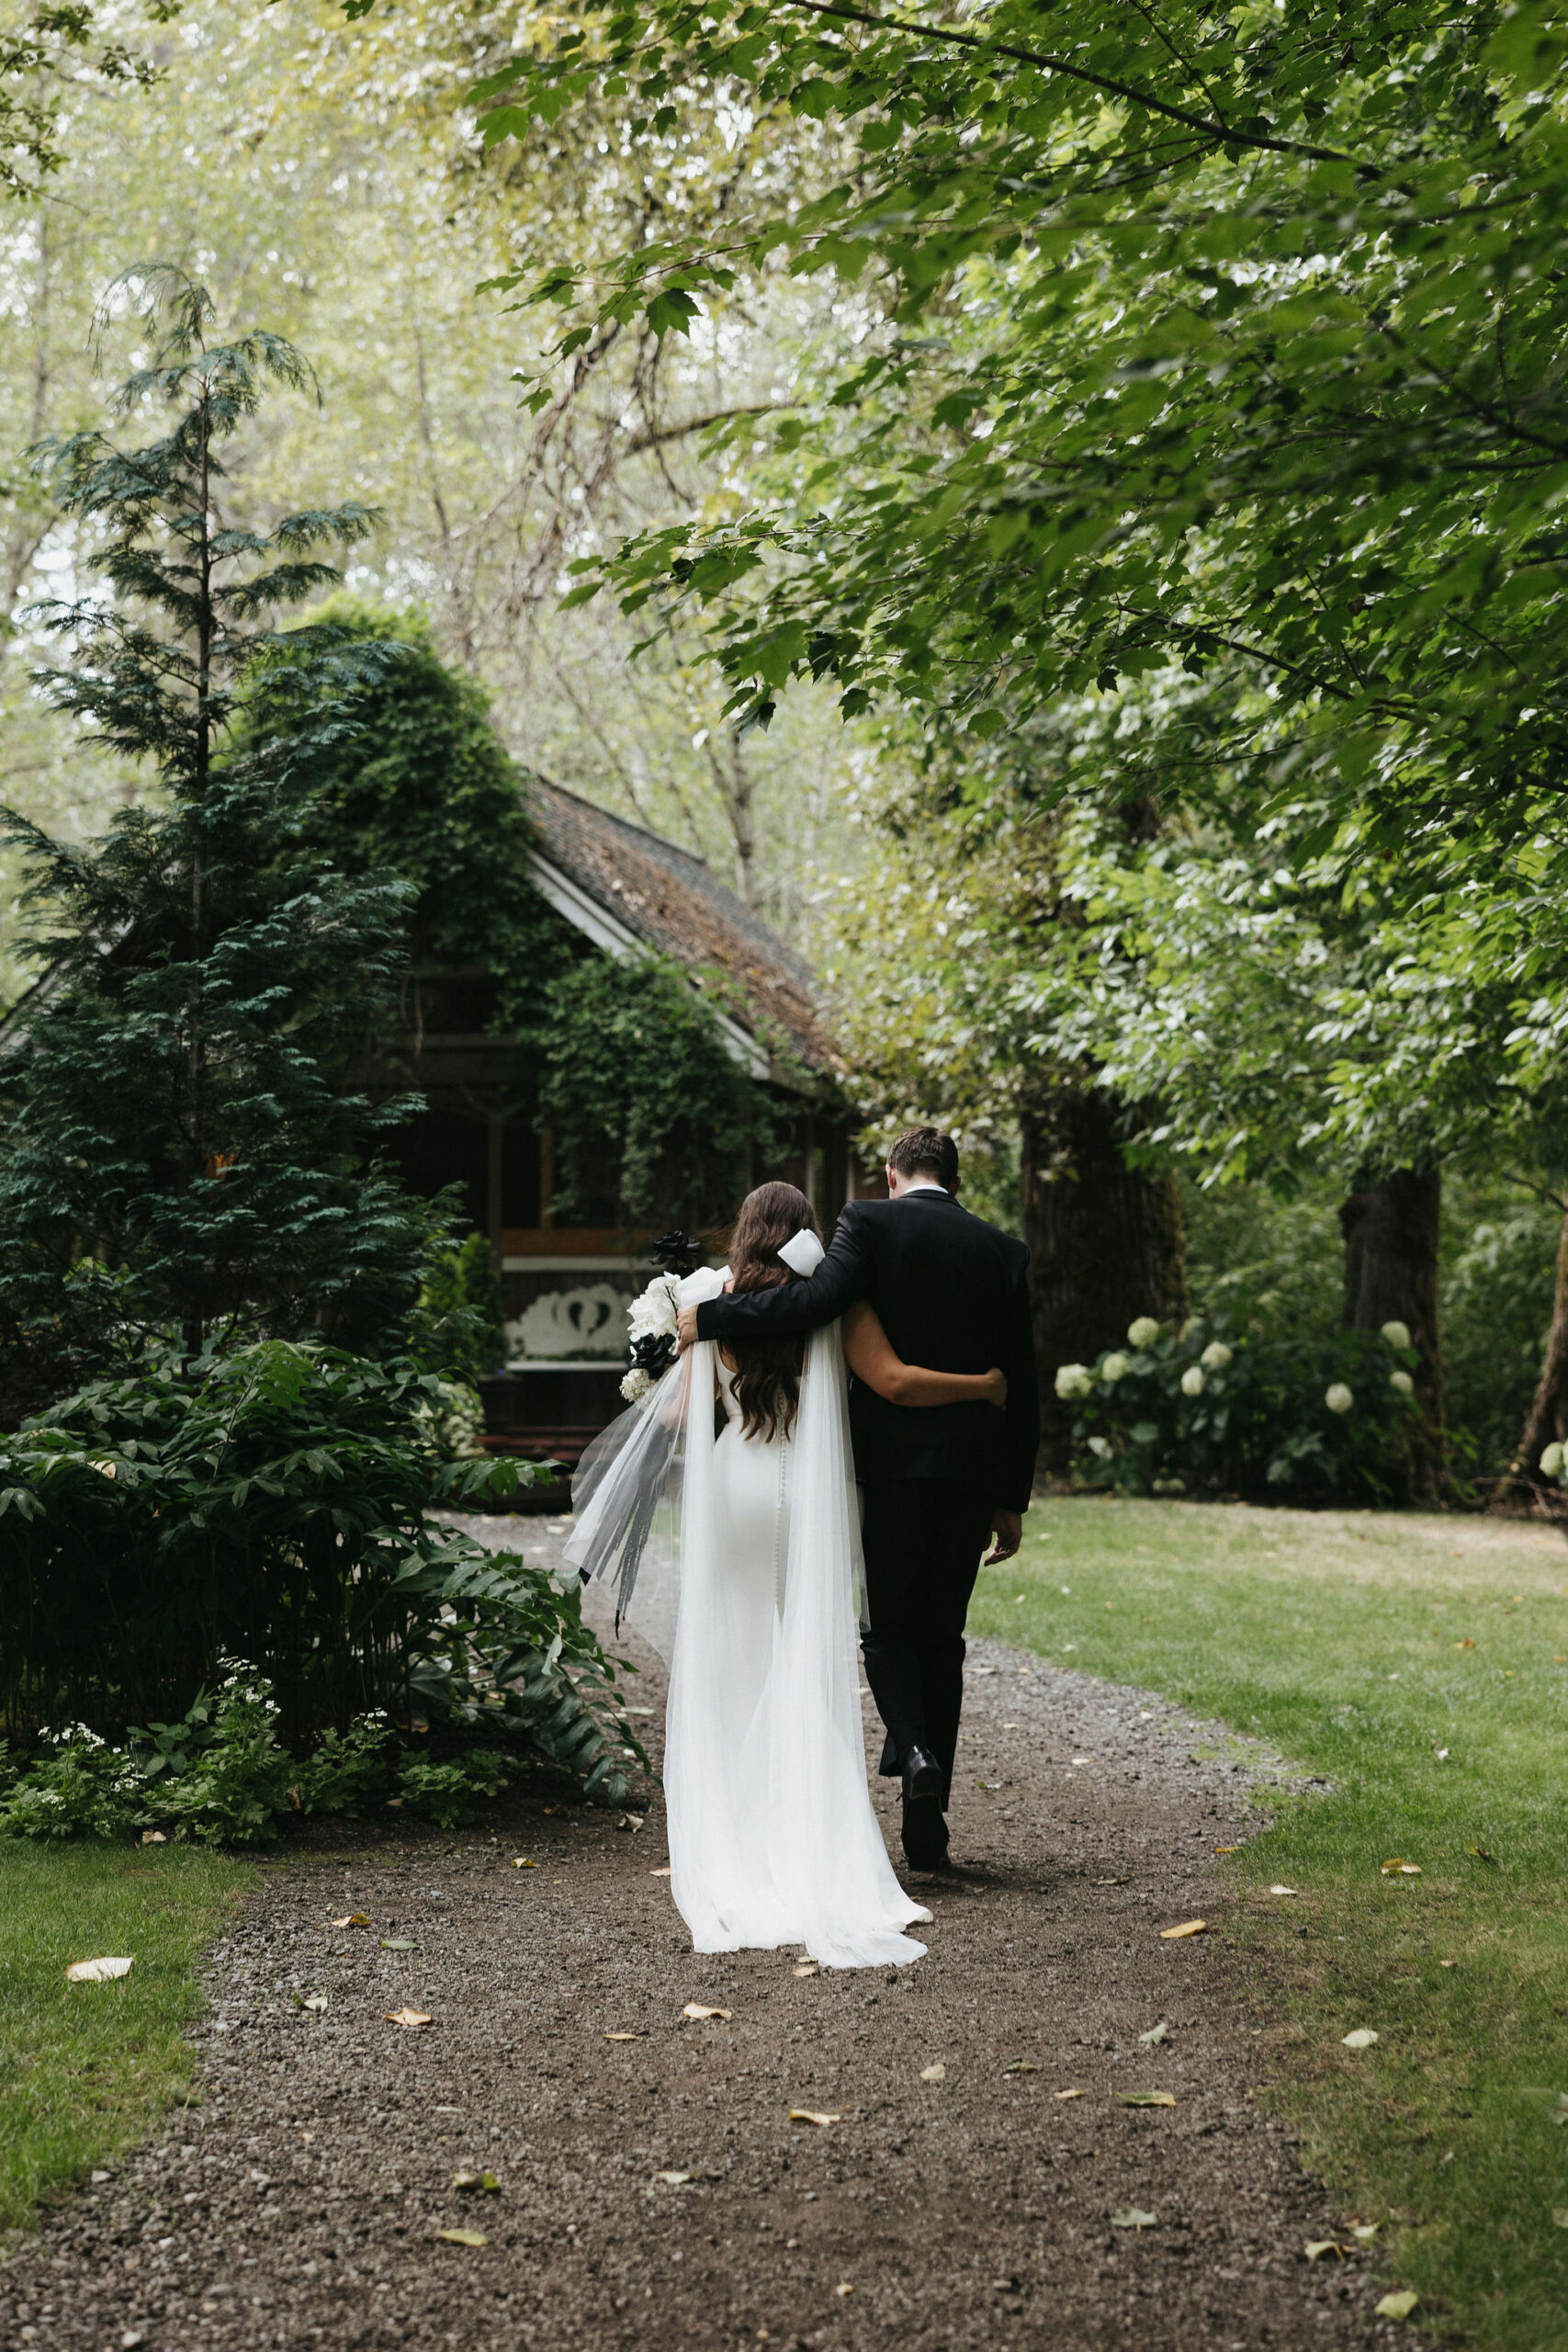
x,y
653,2191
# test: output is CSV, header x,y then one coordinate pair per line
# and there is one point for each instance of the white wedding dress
x,y
739,1560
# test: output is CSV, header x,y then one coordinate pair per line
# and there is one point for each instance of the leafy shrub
x,y
273,1504
85,1789
1315,1419
448,1793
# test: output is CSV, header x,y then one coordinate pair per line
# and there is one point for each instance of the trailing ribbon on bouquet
x,y
626,1492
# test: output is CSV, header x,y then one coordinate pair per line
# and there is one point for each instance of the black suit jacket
x,y
952,1293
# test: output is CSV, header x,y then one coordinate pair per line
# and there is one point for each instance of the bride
x,y
722,1511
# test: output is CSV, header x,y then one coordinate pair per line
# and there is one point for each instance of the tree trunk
x,y
1548,1421
1391,1232
1105,1241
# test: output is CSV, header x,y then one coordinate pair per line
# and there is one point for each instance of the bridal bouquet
x,y
653,1316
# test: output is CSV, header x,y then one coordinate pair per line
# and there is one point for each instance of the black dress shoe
x,y
922,1775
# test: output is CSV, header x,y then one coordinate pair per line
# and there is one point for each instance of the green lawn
x,y
1361,1643
84,2069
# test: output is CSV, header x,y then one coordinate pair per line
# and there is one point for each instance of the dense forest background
x,y
992,961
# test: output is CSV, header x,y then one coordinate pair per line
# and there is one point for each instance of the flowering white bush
x,y
1403,1382
1339,1399
1397,1334
1554,1460
1143,1331
1073,1380
1215,1356
1113,1367
1192,1381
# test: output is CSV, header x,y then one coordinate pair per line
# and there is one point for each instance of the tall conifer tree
x,y
177,1150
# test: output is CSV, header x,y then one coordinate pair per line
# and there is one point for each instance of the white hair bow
x,y
802,1254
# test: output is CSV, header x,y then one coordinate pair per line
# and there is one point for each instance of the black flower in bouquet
x,y
679,1253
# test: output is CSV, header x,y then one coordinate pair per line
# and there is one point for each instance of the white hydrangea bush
x,y
1189,1411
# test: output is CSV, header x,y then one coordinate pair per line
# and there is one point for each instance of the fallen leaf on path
x,y
1396,1869
1317,2248
463,2237
937,2074
812,2115
663,1873
409,2017
632,1821
399,1943
1482,1855
1069,2093
675,2179
1363,2039
153,1838
1111,1882
1155,2033
990,1787
844,2288
1083,1760
1466,1645
620,2036
1133,2217
1228,1850
522,1863
1022,2066
351,1919
1187,1928
804,1968
1397,2306
695,2009
1147,2098
484,2183
1365,2229
1281,1890
95,1972
1448,1963
1560,2215
310,2000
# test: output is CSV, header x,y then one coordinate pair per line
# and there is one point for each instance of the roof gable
x,y
625,887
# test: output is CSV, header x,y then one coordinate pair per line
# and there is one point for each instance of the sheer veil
x,y
772,1838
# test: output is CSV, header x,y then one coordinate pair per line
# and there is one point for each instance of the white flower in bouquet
x,y
1553,1460
1072,1380
1397,1334
1143,1331
1113,1368
1339,1399
635,1385
1192,1381
1215,1356
653,1314
1403,1382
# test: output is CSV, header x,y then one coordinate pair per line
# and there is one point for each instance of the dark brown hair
x,y
926,1151
767,1371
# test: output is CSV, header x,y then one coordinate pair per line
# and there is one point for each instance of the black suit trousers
x,y
922,1540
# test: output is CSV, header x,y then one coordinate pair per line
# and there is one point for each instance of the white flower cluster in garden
x,y
247,1688
1143,1331
1554,1460
73,1734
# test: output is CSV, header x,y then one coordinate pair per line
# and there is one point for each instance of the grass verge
x,y
1363,1644
86,2068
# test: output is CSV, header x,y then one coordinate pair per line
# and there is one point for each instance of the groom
x,y
951,1294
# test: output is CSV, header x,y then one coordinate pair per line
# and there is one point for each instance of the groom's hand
x,y
688,1328
1007,1534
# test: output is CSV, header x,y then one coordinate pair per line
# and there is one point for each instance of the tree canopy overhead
x,y
1213,330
